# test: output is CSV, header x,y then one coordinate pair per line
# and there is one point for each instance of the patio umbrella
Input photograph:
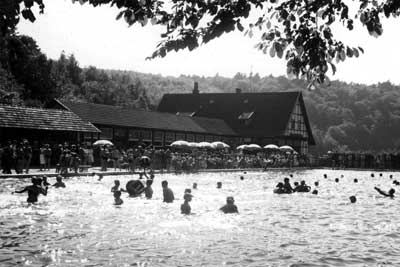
x,y
219,145
241,147
286,148
204,145
103,143
180,143
271,147
252,147
193,145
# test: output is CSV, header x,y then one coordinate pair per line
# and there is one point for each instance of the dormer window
x,y
245,115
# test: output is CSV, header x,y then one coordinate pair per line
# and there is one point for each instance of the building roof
x,y
267,113
43,119
122,117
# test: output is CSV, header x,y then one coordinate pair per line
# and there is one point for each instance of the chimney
x,y
238,90
196,88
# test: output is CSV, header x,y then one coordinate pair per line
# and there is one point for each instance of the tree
x,y
297,30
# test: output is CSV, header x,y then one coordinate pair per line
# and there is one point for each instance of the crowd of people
x,y
21,156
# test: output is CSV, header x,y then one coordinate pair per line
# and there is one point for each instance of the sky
x,y
96,38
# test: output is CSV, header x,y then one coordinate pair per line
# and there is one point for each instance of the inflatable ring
x,y
134,187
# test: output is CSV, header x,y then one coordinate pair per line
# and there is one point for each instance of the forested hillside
x,y
344,117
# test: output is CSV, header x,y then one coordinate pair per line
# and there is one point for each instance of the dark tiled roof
x,y
117,116
271,110
43,119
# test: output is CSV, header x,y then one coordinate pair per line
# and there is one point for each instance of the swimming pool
x,y
80,226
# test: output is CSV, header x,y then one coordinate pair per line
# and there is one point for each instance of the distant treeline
x,y
345,117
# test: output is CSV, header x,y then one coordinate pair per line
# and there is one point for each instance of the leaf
x,y
278,49
27,14
333,68
349,52
272,51
153,21
361,49
120,14
268,24
239,26
355,52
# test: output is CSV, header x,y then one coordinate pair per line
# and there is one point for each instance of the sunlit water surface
x,y
80,226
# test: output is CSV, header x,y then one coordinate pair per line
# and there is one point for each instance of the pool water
x,y
80,226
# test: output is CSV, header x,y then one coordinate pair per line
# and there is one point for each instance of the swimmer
x,y
148,191
353,199
185,207
303,187
117,198
287,186
315,192
45,182
279,189
390,193
291,175
356,180
34,190
372,175
316,183
241,178
188,191
59,183
342,176
230,206
219,185
380,175
116,186
194,185
391,176
337,180
100,177
325,176
167,193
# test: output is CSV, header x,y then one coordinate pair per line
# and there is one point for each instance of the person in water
x,y
287,186
230,206
303,188
353,199
34,190
194,185
279,189
185,207
45,182
116,186
148,191
390,193
59,183
117,198
167,193
219,185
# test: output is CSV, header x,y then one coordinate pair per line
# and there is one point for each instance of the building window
x,y
134,135
199,138
180,136
158,136
145,135
190,137
169,137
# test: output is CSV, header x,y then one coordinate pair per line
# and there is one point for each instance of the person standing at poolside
x,y
167,192
34,190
